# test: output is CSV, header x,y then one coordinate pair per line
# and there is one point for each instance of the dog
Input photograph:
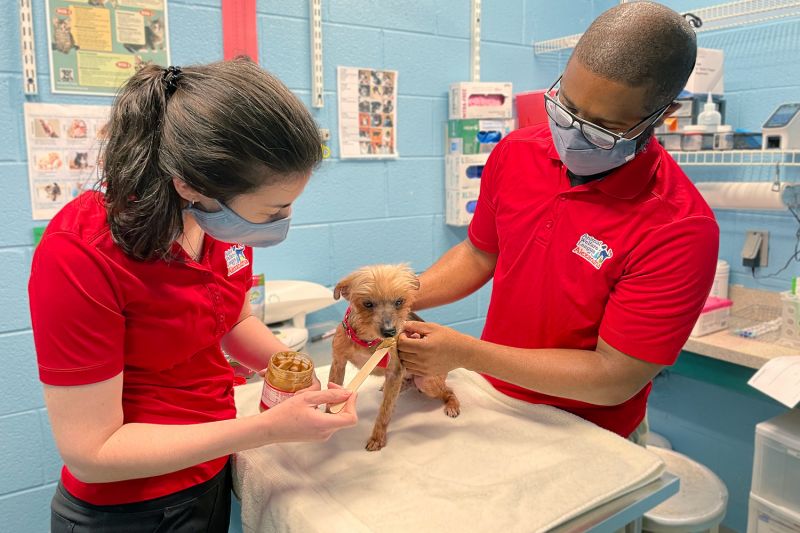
x,y
380,299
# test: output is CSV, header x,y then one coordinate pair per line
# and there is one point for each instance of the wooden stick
x,y
365,371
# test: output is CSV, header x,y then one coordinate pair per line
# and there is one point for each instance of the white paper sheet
x,y
780,379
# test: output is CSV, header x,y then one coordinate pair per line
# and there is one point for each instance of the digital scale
x,y
781,131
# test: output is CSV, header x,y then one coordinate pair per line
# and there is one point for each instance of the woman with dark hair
x,y
136,290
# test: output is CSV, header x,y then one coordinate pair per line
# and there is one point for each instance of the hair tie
x,y
170,78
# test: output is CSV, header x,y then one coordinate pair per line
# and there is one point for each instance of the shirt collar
x,y
629,180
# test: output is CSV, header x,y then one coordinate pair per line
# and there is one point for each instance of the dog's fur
x,y
380,299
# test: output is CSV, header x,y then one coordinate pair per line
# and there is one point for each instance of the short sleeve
x,y
483,228
78,327
655,304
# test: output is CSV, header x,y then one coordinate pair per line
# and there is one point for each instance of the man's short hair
x,y
641,44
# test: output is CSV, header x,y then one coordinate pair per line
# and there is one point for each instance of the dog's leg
x,y
391,389
436,387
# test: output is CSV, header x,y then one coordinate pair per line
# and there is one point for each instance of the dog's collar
x,y
353,336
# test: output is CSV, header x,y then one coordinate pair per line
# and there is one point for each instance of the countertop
x,y
725,346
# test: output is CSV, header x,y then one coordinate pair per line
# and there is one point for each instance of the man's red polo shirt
x,y
629,258
97,312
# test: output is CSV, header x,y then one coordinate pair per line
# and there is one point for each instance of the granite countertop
x,y
737,350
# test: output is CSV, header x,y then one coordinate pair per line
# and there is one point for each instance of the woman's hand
x,y
299,420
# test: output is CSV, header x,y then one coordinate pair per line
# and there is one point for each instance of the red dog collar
x,y
351,334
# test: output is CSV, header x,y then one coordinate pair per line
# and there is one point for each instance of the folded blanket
x,y
502,465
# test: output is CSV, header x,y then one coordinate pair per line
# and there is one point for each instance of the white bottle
x,y
710,117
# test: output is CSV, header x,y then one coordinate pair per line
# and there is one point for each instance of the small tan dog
x,y
380,299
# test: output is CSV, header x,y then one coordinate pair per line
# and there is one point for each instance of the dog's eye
x,y
367,304
399,303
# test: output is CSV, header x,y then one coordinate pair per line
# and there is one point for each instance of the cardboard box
x,y
475,135
477,99
464,171
708,73
460,206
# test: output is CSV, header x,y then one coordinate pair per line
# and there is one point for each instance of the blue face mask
x,y
583,158
225,225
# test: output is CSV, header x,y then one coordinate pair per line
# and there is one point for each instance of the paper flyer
x,y
96,45
367,113
63,149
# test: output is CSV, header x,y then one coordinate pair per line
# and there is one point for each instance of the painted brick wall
x,y
354,212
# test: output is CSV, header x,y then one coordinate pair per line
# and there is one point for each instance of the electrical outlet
x,y
756,249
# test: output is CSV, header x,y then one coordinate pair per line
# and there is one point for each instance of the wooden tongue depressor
x,y
365,371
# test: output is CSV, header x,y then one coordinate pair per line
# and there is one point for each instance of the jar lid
x,y
695,128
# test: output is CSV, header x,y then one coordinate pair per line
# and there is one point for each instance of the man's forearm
x,y
458,273
582,375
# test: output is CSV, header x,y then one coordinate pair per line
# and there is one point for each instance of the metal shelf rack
x,y
738,157
719,17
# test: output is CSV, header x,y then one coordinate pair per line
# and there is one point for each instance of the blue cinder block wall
x,y
355,212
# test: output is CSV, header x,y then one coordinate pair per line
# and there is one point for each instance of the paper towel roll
x,y
743,195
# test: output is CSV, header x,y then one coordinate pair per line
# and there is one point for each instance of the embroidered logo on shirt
x,y
594,251
235,259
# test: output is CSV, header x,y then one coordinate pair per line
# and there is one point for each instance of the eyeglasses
x,y
600,137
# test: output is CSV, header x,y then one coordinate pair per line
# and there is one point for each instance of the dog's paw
x,y
452,409
375,444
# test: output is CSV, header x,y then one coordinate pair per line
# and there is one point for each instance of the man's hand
x,y
428,349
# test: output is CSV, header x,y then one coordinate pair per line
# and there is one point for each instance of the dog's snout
x,y
389,332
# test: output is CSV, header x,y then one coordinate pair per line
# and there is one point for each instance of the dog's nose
x,y
389,332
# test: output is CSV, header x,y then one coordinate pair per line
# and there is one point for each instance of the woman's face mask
x,y
225,225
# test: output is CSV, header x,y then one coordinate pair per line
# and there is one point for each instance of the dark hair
x,y
641,44
225,128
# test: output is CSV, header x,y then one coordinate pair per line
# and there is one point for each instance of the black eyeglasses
x,y
600,137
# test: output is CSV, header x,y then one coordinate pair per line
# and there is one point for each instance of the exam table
x,y
502,465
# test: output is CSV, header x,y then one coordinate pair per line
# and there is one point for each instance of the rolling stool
x,y
658,440
700,504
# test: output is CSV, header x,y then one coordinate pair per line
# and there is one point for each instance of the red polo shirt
x,y
629,258
97,312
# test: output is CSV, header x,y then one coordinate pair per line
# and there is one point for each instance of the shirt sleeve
x,y
654,306
78,327
483,228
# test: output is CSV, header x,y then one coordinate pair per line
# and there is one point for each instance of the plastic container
x,y
287,373
693,138
764,517
710,117
776,464
714,317
723,138
790,315
720,287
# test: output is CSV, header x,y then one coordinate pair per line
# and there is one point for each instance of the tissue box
x,y
714,317
477,99
707,69
475,135
464,171
460,206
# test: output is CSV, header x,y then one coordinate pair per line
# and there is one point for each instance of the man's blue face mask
x,y
587,149
225,225
583,158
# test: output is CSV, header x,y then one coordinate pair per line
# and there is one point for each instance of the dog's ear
x,y
342,289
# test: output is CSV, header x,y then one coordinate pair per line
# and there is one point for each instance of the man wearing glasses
x,y
601,250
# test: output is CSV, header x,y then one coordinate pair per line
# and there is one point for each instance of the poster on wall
x,y
96,45
63,148
367,113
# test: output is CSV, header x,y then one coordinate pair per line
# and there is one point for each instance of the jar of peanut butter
x,y
287,373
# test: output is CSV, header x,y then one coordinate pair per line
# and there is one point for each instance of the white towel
x,y
502,465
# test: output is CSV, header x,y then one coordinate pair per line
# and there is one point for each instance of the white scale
x,y
781,131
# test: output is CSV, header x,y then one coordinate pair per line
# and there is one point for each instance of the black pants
x,y
203,508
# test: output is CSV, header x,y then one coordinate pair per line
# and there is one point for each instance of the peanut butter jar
x,y
287,373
